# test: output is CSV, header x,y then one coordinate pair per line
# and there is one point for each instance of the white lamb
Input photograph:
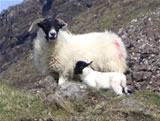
x,y
56,50
101,80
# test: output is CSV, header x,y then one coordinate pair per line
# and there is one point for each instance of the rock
x,y
48,83
89,4
138,76
64,95
131,102
71,90
43,85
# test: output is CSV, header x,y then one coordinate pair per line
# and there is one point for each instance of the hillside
x,y
136,21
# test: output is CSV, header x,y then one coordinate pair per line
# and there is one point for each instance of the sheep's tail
x,y
34,23
124,86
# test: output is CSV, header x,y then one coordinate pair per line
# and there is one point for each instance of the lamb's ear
x,y
89,63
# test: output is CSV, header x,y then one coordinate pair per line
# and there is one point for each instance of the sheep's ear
x,y
43,24
35,23
39,25
62,24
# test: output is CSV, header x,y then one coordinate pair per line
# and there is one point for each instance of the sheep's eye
x,y
60,26
63,25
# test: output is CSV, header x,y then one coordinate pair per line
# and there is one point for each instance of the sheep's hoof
x,y
61,82
120,95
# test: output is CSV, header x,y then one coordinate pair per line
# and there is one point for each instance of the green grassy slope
x,y
97,105
15,105
101,106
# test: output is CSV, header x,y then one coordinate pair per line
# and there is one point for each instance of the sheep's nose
x,y
53,34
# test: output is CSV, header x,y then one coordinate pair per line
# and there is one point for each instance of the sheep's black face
x,y
51,28
80,65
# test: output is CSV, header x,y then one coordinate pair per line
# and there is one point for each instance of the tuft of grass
x,y
15,105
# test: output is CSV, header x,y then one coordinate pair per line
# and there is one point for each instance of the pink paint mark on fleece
x,y
118,49
117,44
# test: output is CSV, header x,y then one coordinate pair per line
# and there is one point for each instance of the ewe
x,y
56,50
101,80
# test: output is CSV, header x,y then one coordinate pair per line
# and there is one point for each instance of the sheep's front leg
x,y
63,77
61,80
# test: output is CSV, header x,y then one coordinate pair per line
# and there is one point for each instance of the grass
x,y
97,105
150,98
15,105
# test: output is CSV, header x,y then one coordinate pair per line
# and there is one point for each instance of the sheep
x,y
101,80
56,50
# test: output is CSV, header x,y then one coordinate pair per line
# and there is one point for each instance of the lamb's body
x,y
105,80
106,49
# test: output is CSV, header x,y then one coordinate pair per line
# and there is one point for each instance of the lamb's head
x,y
51,28
80,65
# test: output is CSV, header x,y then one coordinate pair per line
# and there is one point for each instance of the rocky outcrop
x,y
142,39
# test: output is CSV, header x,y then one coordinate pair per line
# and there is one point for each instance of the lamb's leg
x,y
127,91
91,83
118,90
